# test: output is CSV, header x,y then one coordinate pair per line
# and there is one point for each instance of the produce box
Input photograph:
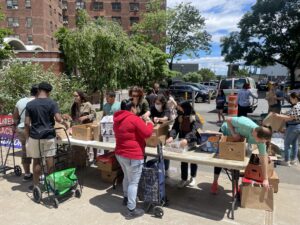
x,y
86,132
274,181
107,162
228,149
107,125
109,177
160,133
276,122
254,172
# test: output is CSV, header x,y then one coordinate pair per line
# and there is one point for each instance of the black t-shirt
x,y
41,112
155,113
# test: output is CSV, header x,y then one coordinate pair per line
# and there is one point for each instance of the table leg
x,y
235,185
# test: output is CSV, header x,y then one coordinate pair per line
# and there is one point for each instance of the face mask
x,y
158,107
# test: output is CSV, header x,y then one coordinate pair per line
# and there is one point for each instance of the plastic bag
x,y
62,181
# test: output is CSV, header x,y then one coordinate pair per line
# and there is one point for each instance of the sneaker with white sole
x,y
285,163
135,213
294,162
27,177
192,181
183,183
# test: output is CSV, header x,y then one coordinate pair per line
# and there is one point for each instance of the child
x,y
220,102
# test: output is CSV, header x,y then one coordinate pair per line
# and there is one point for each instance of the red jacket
x,y
130,132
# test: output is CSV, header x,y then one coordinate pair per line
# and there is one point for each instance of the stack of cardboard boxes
x,y
109,167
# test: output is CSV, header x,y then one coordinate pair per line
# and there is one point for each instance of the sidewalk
x,y
100,204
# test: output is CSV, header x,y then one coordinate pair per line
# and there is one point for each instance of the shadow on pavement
x,y
198,201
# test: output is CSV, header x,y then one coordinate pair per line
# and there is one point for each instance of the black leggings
x,y
185,169
217,170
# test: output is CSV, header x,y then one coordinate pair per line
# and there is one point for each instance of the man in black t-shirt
x,y
39,129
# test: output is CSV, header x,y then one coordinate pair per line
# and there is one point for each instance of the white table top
x,y
192,156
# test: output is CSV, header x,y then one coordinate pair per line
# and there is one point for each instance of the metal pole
x,y
193,99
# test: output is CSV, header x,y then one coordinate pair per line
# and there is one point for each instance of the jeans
x,y
132,170
291,138
167,164
243,111
185,168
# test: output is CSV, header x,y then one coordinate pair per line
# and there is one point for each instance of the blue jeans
x,y
132,170
291,138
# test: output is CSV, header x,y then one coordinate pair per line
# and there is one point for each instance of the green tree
x,y
181,30
269,34
207,74
242,73
82,18
5,50
194,77
22,76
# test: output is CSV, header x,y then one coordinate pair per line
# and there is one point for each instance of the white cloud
x,y
214,63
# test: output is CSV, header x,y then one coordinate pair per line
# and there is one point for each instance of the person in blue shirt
x,y
244,100
220,103
239,127
111,106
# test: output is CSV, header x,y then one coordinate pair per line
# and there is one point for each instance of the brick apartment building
x,y
35,21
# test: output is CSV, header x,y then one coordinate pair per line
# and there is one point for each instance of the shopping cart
x,y
61,183
152,184
7,145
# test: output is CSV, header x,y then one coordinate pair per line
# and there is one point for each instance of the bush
x,y
17,78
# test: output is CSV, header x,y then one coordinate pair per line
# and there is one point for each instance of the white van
x,y
234,85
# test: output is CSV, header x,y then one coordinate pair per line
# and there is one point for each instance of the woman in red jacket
x,y
131,132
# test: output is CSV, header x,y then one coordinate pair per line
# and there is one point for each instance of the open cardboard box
x,y
228,149
159,134
276,122
86,132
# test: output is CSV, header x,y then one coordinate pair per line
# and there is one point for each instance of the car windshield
x,y
238,83
226,84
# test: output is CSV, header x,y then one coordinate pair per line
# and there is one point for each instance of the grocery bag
x,y
257,197
62,181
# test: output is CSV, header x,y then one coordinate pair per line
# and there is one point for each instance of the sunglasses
x,y
135,96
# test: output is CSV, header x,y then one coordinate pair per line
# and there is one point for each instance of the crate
x,y
228,149
209,142
159,134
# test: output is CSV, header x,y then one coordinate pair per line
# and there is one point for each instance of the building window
x,y
51,26
134,7
12,4
116,6
52,43
97,6
134,20
64,5
50,10
29,39
27,4
13,21
80,4
28,22
117,19
60,18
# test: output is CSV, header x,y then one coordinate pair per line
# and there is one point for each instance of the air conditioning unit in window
x,y
30,42
65,22
135,9
15,24
15,7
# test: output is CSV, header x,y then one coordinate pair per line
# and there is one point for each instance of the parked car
x,y
212,92
180,90
234,85
210,85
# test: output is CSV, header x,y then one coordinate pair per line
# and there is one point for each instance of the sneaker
x,y
125,201
27,177
183,183
294,162
192,181
135,213
214,188
285,163
167,173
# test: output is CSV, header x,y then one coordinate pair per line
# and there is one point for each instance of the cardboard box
x,y
276,122
232,150
160,133
60,133
107,125
109,177
86,132
274,181
107,162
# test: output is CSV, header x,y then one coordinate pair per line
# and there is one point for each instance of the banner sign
x,y
6,132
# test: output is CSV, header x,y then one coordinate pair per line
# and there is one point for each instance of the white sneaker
x,y
167,174
192,181
183,183
294,162
285,163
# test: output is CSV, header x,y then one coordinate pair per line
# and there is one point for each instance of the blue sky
x,y
221,17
